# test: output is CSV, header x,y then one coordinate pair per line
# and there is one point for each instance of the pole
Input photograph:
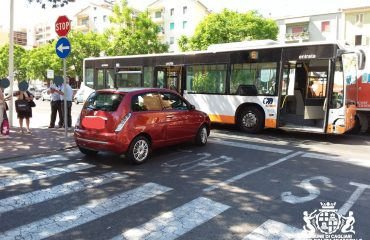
x,y
11,60
65,97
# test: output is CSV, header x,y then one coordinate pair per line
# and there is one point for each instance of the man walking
x,y
56,106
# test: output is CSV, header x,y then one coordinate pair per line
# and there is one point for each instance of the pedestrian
x,y
55,105
25,114
66,92
3,115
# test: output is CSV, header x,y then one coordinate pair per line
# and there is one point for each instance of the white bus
x,y
256,84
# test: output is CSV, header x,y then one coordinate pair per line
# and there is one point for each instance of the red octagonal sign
x,y
62,26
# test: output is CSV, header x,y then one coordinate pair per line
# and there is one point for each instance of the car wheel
x,y
202,136
251,120
42,99
87,152
76,101
139,150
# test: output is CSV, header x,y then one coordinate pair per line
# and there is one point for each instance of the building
x,y
357,26
176,18
318,27
19,36
349,25
43,33
94,17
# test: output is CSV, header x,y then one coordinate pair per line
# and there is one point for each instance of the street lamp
x,y
11,60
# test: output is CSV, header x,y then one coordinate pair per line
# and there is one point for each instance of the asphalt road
x,y
236,187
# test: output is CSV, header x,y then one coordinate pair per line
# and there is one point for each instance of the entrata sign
x,y
62,26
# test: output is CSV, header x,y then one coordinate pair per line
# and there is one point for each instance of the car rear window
x,y
103,101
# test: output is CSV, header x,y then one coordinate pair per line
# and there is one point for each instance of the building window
x,y
359,18
184,23
158,14
172,40
95,18
105,18
325,26
172,26
184,9
358,40
172,11
94,8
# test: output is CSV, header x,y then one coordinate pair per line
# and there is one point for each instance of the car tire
x,y
42,99
139,150
88,152
251,120
202,136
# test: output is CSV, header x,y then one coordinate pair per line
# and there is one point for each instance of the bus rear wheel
x,y
251,120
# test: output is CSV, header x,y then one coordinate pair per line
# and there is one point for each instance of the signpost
x,y
62,49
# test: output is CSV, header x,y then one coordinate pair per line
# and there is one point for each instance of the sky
x,y
26,15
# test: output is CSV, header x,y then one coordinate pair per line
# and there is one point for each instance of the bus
x,y
254,84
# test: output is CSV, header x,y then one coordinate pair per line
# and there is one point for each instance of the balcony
x,y
297,37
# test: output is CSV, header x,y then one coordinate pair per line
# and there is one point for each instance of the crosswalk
x,y
168,224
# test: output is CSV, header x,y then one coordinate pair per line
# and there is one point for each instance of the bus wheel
x,y
250,120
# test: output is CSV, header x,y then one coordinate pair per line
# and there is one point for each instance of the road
x,y
236,187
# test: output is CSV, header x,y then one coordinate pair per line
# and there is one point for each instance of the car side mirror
x,y
191,107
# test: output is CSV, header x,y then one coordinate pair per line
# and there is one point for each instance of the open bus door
x,y
168,77
342,107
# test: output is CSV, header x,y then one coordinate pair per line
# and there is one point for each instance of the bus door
x,y
168,77
104,78
342,104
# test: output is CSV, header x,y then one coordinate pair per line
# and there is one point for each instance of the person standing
x,y
66,92
25,95
55,105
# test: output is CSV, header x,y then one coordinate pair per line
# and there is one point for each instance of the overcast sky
x,y
28,14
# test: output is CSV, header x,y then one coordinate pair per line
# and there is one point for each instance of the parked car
x,y
45,95
38,93
79,96
135,121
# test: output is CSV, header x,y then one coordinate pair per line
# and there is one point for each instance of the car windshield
x,y
103,101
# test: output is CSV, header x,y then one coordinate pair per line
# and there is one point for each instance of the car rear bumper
x,y
117,143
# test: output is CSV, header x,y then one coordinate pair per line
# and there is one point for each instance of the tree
x,y
19,58
53,3
132,33
82,46
229,26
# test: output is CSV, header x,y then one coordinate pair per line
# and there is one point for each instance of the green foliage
x,y
20,56
229,26
131,34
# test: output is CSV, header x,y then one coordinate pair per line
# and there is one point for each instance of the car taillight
x,y
123,122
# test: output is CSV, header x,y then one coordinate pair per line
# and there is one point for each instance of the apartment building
x,y
176,18
357,25
349,25
94,17
42,33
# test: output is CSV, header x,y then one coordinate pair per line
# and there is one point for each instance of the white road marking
x,y
83,214
250,172
32,162
274,230
352,200
354,161
36,175
27,199
250,146
208,163
313,191
173,224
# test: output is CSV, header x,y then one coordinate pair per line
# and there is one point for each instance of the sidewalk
x,y
41,140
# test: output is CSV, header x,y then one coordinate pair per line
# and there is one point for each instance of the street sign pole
x,y
65,96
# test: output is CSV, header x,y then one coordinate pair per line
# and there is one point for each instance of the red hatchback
x,y
135,121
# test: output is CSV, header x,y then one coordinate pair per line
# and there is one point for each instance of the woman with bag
x,y
23,107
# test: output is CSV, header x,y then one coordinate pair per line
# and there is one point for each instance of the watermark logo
x,y
327,223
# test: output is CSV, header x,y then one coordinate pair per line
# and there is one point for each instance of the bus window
x,y
262,75
316,86
89,77
148,77
129,77
110,80
100,79
338,88
206,78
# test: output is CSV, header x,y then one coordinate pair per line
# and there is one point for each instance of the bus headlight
x,y
123,122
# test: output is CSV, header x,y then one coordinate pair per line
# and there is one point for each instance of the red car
x,y
135,121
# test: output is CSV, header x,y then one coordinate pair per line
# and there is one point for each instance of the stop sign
x,y
62,26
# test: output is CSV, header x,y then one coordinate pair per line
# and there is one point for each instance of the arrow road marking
x,y
61,48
